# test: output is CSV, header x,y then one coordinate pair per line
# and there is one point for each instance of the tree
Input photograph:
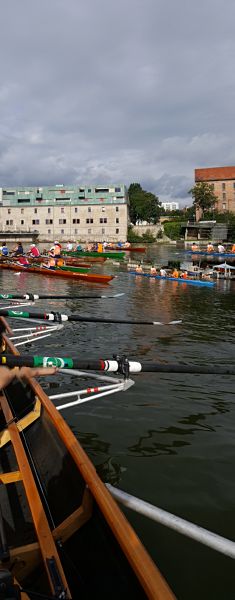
x,y
204,197
144,206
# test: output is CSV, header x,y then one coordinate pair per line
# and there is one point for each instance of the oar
x,y
115,365
31,296
58,317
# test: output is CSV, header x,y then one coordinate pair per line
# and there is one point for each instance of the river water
x,y
170,439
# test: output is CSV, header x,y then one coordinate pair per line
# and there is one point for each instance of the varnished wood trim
x,y
74,521
45,538
10,477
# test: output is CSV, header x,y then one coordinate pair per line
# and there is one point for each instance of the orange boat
x,y
91,277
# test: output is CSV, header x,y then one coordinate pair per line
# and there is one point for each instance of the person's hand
x,y
7,375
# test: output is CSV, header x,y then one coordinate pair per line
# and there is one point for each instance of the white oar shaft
x,y
199,534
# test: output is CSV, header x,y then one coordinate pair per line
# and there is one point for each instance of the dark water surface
x,y
170,439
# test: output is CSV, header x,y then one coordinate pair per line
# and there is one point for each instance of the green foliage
x,y
159,235
133,237
204,197
144,206
148,237
172,229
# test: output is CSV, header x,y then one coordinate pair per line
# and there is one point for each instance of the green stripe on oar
x,y
58,317
119,365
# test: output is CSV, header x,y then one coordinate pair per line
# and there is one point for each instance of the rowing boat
x,y
62,534
123,249
178,279
114,255
91,277
205,253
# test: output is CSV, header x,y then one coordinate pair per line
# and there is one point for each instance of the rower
x,y
4,250
210,247
163,273
69,246
233,248
18,250
51,264
194,247
184,275
139,269
153,270
56,250
221,248
23,261
175,273
34,251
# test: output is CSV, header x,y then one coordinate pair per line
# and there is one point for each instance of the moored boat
x,y
130,249
62,534
91,277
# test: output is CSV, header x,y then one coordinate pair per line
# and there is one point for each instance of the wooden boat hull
x,y
178,279
60,524
91,277
114,255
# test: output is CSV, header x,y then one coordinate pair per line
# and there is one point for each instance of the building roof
x,y
214,174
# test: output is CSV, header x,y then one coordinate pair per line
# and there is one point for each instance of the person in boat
x,y
163,272
153,270
139,269
233,248
18,250
194,247
79,248
4,251
175,273
56,250
7,375
69,246
126,245
210,247
221,248
51,264
184,275
33,251
23,261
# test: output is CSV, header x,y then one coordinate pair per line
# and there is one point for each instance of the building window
x,y
9,211
49,221
103,230
75,210
22,222
48,231
20,200
89,220
224,206
35,210
117,189
76,221
62,231
104,220
103,209
48,210
89,231
22,211
117,230
62,221
117,220
35,222
117,208
89,209
89,190
75,230
223,186
62,209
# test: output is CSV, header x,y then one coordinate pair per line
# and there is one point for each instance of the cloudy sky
x,y
107,91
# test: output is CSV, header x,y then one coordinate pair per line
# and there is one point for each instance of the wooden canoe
x,y
62,534
131,249
91,277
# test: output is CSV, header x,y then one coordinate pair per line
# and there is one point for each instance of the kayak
x,y
205,253
62,534
178,279
91,277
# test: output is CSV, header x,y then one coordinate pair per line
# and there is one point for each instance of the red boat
x,y
123,249
91,277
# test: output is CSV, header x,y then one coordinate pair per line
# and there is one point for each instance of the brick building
x,y
223,181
